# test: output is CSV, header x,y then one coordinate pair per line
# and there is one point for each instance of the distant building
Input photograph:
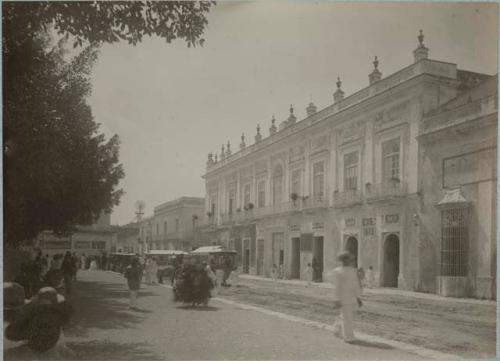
x,y
95,239
173,225
355,176
127,238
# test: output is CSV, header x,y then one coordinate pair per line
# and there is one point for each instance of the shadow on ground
x,y
105,350
108,311
197,308
372,344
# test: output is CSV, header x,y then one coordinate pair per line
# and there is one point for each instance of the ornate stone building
x,y
343,178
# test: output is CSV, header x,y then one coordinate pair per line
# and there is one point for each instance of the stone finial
x,y
291,118
421,52
272,128
339,94
375,75
210,159
222,153
228,150
258,136
311,109
242,144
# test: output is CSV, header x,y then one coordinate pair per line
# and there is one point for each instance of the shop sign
x,y
82,244
295,228
392,218
350,222
56,244
317,225
369,221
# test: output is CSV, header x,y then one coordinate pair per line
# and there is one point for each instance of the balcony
x,y
316,201
347,198
385,191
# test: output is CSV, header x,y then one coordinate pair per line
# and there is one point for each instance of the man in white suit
x,y
347,294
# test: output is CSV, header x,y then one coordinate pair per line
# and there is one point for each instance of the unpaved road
x,y
464,329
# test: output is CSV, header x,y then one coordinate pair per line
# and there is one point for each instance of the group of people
x,y
39,271
93,263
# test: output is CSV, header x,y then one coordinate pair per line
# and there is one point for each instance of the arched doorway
x,y
391,261
351,246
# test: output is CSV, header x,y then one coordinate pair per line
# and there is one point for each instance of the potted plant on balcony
x,y
250,206
294,196
209,214
305,198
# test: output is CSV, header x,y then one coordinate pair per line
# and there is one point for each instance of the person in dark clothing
x,y
68,270
133,274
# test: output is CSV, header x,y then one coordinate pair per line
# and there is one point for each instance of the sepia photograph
x,y
249,180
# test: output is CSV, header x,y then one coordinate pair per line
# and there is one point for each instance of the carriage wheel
x,y
44,331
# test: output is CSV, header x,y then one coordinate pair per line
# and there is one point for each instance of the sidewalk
x,y
379,291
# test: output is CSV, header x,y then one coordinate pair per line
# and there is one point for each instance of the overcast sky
x,y
171,104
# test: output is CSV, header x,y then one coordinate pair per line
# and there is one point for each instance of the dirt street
x,y
465,329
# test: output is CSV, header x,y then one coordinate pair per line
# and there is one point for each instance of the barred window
x,y
390,159
454,242
351,171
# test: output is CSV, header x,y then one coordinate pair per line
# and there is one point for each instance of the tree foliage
x,y
59,170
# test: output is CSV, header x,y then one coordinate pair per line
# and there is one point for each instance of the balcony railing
x,y
316,201
387,190
347,198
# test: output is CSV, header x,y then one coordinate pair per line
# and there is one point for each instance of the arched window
x,y
277,185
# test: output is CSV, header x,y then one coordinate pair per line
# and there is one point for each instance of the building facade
x,y
173,225
95,239
345,178
458,147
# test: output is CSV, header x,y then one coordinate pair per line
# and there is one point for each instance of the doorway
x,y
295,258
318,259
260,257
246,261
391,261
351,247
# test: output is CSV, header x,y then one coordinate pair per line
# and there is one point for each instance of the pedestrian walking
x,y
147,271
133,274
347,296
235,277
154,271
309,274
93,264
361,276
83,261
68,271
370,277
75,264
219,274
281,272
274,272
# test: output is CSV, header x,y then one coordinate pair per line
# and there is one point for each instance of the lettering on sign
x,y
317,225
56,244
369,221
391,218
82,244
350,222
295,228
